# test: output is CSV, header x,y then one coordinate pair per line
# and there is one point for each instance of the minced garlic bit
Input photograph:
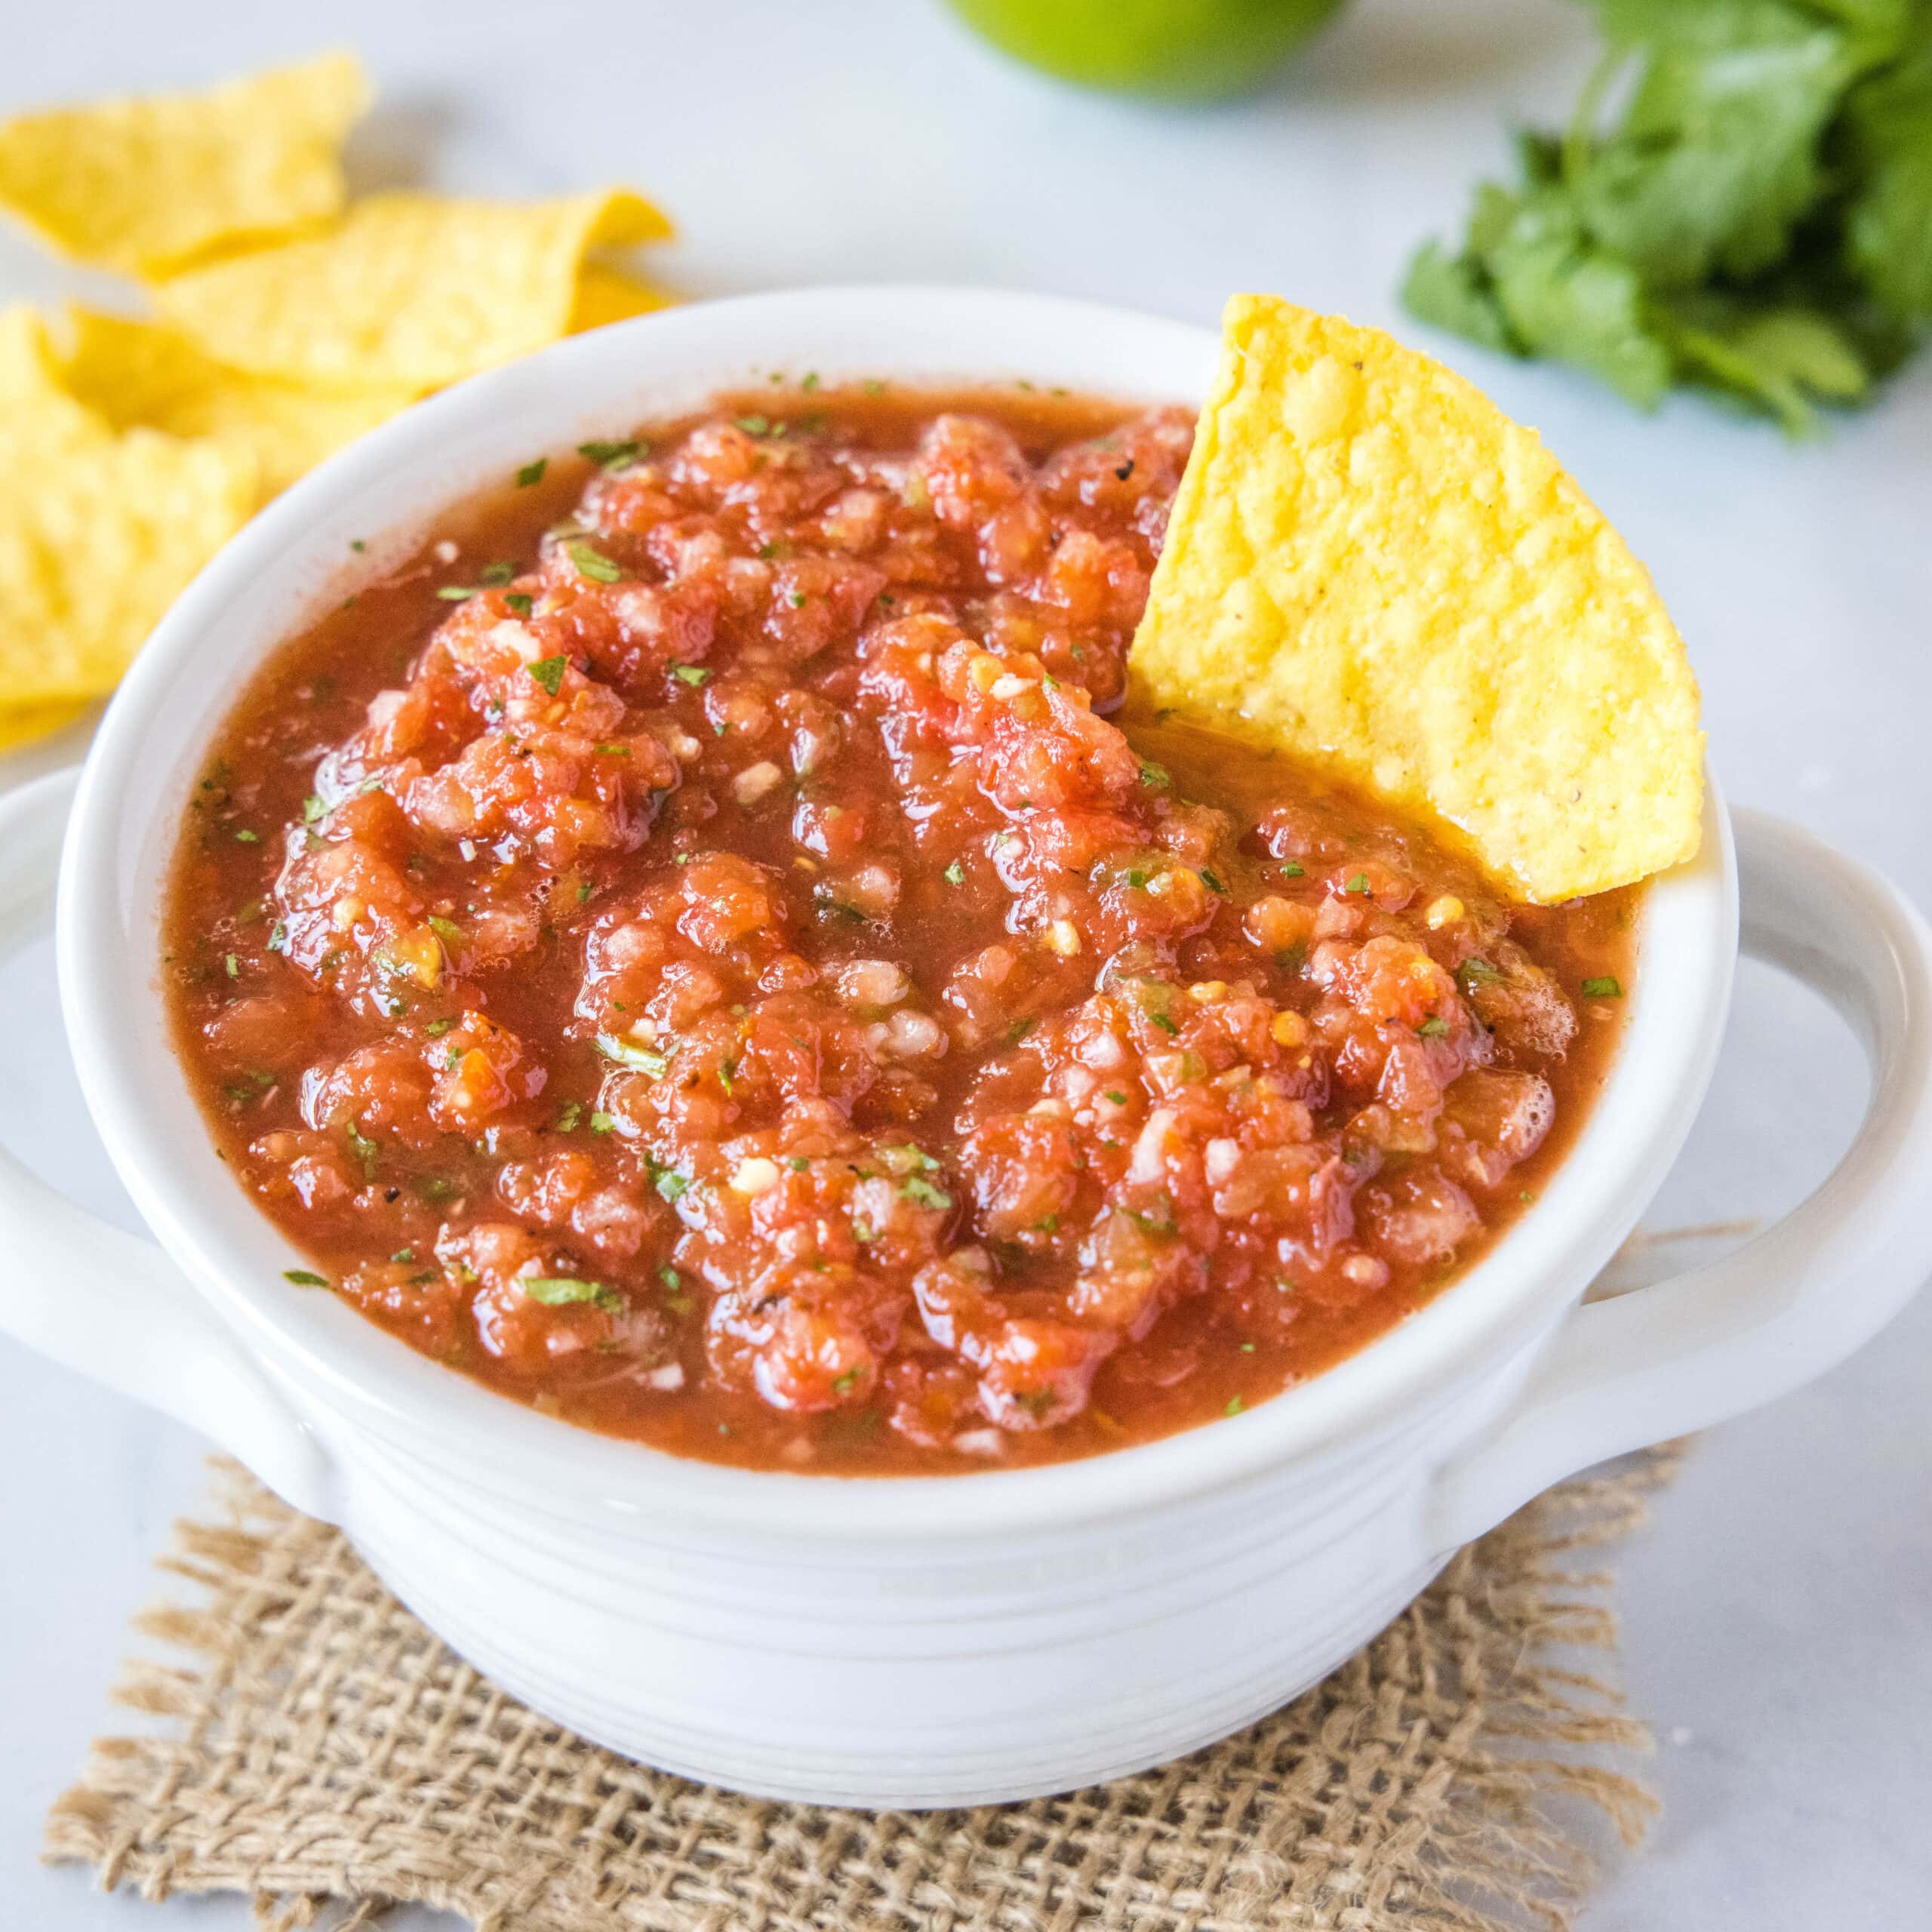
x,y
1063,938
754,1176
755,781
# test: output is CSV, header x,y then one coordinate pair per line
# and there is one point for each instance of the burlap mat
x,y
325,1754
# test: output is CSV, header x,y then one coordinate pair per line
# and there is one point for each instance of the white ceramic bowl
x,y
930,1641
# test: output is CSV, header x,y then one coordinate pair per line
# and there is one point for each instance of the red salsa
x,y
690,949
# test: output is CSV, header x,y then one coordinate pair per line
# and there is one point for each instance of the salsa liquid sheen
x,y
690,948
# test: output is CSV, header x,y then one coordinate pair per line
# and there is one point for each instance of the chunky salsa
x,y
691,948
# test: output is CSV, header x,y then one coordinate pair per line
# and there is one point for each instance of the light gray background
x,y
1779,1615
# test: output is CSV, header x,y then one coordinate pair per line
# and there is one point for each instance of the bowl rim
x,y
342,1369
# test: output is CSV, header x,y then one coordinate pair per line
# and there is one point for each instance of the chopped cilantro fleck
x,y
304,1277
532,472
1235,1407
520,602
1161,1020
569,1115
456,593
593,563
1357,882
1155,775
1213,884
1606,987
1114,1094
955,874
754,425
1290,869
437,1029
690,674
245,837
1434,1027
628,1053
548,671
614,456
560,1290
313,809
843,1385
601,1124
917,1187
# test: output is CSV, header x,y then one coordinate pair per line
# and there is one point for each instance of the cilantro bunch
x,y
1753,217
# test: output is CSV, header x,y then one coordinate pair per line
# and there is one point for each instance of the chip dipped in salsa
x,y
696,948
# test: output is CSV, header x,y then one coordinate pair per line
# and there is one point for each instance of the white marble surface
x,y
1778,1613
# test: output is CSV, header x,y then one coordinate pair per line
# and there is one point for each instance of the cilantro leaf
x,y
1888,224
1753,218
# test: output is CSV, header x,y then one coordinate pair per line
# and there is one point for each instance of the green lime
x,y
1173,50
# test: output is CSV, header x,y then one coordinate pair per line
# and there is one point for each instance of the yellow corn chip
x,y
22,725
149,185
604,295
145,373
98,532
1368,564
410,289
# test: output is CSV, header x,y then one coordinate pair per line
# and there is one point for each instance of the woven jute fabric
x,y
319,1751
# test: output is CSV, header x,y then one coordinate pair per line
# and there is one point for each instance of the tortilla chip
x,y
146,374
410,289
1369,565
98,532
148,186
23,724
604,295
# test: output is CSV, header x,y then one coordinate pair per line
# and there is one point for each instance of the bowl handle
x,y
1797,1300
109,1304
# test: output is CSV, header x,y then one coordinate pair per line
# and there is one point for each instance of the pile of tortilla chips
x,y
1371,566
286,321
